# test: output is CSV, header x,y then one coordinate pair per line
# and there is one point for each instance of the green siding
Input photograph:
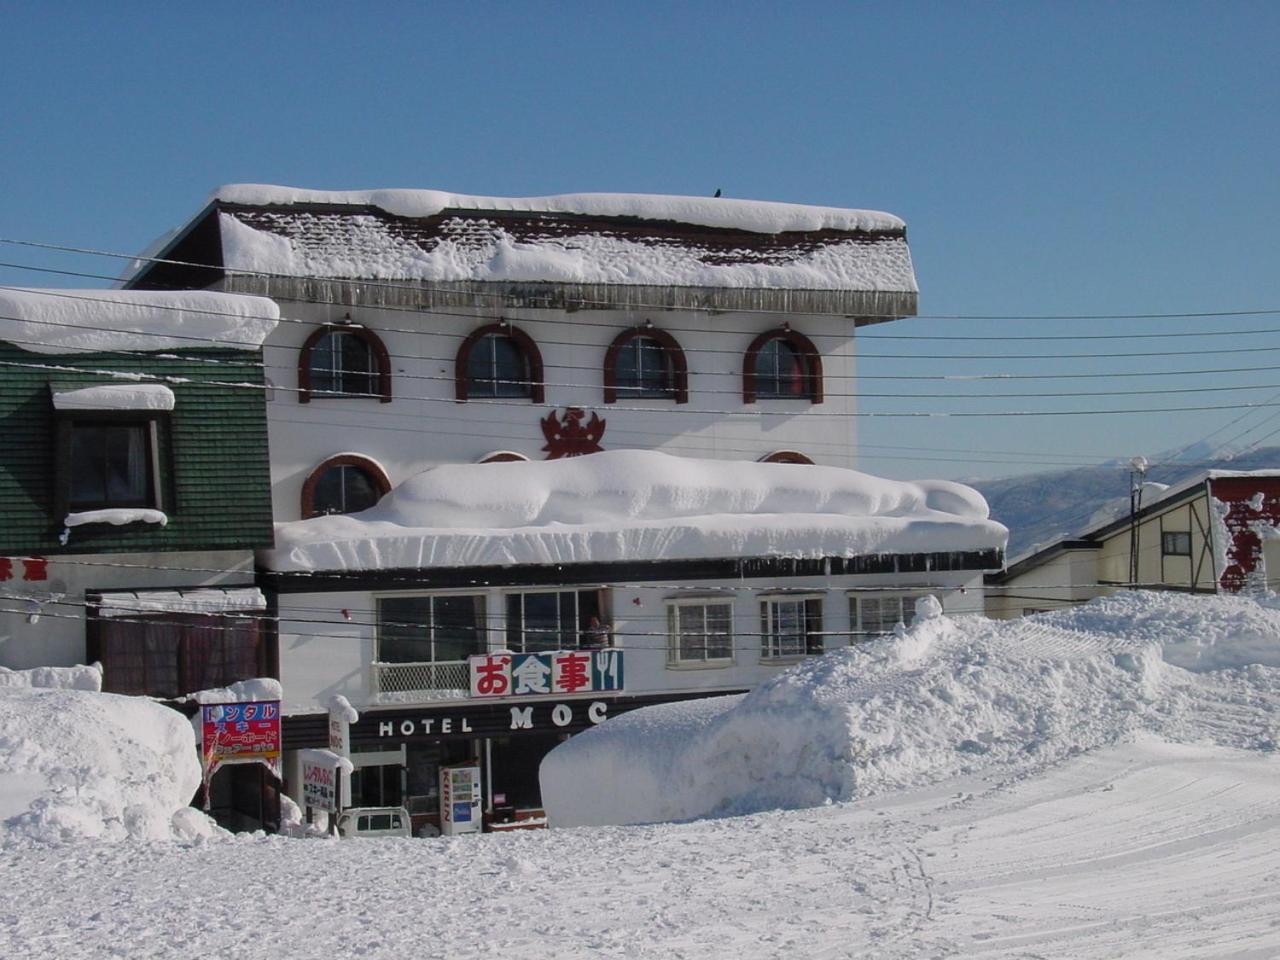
x,y
213,459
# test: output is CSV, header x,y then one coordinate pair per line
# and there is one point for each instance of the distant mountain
x,y
1039,508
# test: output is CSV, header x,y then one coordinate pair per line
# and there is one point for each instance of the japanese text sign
x,y
556,672
241,733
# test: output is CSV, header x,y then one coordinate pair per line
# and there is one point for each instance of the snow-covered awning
x,y
65,321
633,505
206,600
139,396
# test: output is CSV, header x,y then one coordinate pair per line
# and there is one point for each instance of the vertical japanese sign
x,y
240,733
558,672
320,783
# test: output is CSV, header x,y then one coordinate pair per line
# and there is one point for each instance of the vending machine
x,y
460,800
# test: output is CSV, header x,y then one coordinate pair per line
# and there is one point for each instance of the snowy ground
x,y
1161,842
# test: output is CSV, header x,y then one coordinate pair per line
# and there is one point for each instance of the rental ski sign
x,y
240,733
552,673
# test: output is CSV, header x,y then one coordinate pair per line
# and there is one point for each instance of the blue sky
x,y
1050,159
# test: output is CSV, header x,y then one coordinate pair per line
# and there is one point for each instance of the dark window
x,y
377,786
560,620
1175,544
431,629
342,364
782,365
111,465
644,369
497,368
780,372
790,627
344,489
344,361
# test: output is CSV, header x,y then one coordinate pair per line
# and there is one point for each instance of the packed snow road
x,y
1147,849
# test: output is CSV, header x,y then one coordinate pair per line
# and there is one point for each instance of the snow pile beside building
x,y
946,697
633,505
65,321
55,678
80,764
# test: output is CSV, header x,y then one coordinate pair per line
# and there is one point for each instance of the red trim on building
x,y
803,346
528,349
505,456
679,366
786,456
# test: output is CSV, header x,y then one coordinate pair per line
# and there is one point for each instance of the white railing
x,y
437,680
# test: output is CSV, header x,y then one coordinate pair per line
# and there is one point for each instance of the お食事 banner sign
x,y
556,672
241,733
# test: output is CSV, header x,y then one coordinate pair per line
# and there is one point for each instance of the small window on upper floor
x,y
782,365
645,363
1175,543
344,484
344,361
111,465
499,361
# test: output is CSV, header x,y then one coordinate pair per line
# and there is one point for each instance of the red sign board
x,y
241,733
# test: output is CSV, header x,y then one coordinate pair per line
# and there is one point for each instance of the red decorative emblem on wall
x,y
571,437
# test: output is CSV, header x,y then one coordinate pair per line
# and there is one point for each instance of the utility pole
x,y
1137,480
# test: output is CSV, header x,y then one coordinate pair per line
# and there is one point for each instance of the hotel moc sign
x,y
543,674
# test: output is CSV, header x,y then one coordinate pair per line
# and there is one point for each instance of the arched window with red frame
x,y
346,483
782,365
499,361
645,363
786,456
344,360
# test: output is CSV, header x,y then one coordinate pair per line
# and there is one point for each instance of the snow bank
x,y
637,505
62,321
757,216
55,678
944,698
244,691
80,764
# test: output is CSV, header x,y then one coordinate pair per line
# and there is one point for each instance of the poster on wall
x,y
240,733
320,784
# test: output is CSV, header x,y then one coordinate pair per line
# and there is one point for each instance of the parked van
x,y
374,822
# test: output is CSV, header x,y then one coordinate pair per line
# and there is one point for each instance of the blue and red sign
x,y
558,672
241,733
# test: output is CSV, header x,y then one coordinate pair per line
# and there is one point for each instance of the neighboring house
x,y
1213,534
431,343
134,488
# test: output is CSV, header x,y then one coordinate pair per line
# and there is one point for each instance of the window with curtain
x,y
342,363
111,465
790,627
431,629
176,654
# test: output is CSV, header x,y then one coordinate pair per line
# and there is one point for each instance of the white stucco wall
x,y
328,640
424,425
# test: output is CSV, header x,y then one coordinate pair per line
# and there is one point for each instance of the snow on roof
x,y
757,216
137,396
64,321
205,600
612,239
633,505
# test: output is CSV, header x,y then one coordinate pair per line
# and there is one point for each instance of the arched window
x,y
499,360
344,361
503,456
782,365
347,483
786,456
645,363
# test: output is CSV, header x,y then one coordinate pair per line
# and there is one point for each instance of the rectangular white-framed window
x,y
700,631
551,619
790,626
432,628
874,614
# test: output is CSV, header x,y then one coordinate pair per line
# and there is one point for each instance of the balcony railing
x,y
439,680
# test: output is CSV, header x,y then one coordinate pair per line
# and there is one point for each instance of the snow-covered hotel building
x,y
445,557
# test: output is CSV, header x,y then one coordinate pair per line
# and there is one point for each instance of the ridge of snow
x,y
51,321
636,505
80,677
142,396
243,691
757,216
944,698
206,600
116,516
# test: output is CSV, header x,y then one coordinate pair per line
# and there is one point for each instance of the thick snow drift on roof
x,y
78,764
637,505
946,697
65,321
758,216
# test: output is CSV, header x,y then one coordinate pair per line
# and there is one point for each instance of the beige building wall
x,y
1196,571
